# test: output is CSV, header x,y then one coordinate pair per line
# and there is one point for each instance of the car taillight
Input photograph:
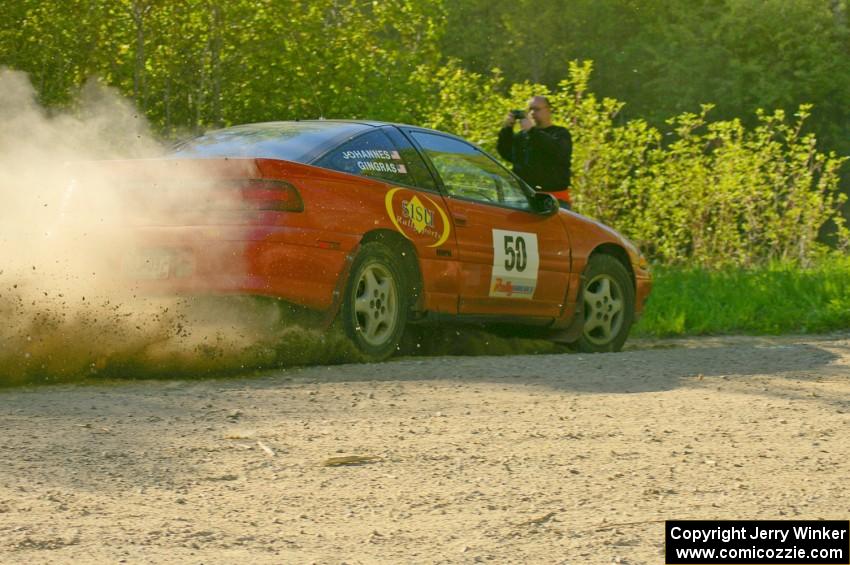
x,y
272,195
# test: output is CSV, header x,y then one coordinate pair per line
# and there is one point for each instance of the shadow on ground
x,y
118,424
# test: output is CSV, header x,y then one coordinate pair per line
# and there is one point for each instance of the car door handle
x,y
460,219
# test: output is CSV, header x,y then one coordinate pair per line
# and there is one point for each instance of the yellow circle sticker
x,y
417,216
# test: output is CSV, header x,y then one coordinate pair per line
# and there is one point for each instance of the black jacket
x,y
540,156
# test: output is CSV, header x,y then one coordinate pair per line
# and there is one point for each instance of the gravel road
x,y
525,459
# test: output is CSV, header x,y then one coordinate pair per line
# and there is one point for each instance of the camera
x,y
518,114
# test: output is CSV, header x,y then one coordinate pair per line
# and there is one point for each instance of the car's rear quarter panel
x,y
305,256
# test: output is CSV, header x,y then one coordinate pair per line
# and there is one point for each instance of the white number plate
x,y
516,261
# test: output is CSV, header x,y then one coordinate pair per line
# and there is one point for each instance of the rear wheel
x,y
374,309
609,305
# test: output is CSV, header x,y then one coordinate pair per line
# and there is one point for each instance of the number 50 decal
x,y
515,264
516,252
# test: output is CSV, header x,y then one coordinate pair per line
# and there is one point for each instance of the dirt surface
x,y
528,459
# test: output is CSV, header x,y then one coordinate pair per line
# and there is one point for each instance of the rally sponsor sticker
x,y
417,216
516,261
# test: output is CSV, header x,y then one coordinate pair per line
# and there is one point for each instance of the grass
x,y
776,299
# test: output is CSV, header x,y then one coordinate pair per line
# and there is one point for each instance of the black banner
x,y
763,542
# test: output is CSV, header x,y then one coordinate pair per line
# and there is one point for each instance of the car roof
x,y
298,141
363,122
294,140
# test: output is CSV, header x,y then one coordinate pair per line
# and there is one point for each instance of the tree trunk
x,y
215,62
138,10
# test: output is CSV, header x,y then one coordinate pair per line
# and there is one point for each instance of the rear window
x,y
374,155
290,141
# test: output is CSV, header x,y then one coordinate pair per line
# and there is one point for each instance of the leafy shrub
x,y
707,193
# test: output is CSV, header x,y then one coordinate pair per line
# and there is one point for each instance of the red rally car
x,y
380,225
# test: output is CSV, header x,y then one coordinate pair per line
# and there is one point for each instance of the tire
x,y
609,305
374,308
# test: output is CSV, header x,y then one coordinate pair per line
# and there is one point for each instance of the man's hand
x,y
526,123
510,120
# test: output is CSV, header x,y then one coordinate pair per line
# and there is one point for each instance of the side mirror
x,y
544,203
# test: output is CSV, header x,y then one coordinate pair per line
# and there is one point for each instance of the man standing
x,y
540,152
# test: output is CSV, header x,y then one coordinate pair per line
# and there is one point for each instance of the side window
x,y
467,172
370,155
415,164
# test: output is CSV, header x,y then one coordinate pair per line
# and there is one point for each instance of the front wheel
x,y
609,305
374,308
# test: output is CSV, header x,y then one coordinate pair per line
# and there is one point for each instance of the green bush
x,y
705,193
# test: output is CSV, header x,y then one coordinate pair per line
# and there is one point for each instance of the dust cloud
x,y
79,191
88,207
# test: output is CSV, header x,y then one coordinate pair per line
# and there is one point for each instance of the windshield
x,y
291,141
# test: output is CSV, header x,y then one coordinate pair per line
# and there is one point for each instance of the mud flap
x,y
571,333
332,312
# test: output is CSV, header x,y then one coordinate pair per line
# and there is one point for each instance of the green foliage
x,y
192,64
775,299
461,102
721,194
666,57
711,193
